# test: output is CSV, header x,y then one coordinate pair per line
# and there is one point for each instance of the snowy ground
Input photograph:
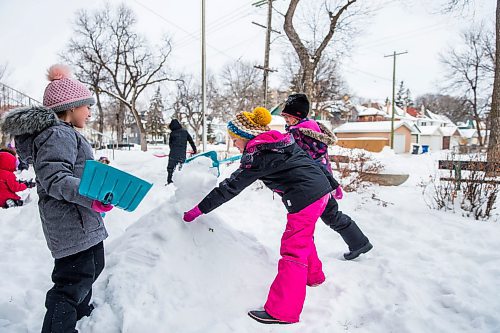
x,y
430,271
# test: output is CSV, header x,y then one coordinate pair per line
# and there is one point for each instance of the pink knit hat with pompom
x,y
63,92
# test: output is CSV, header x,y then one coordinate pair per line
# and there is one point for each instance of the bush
x,y
474,194
352,164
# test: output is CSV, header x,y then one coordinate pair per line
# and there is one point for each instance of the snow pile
x,y
196,179
169,276
429,271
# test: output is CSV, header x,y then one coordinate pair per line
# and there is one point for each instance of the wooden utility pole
x,y
394,55
265,68
203,77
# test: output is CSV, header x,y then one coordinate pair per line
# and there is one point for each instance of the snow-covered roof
x,y
438,117
399,111
449,130
364,111
407,117
431,120
429,130
370,126
468,133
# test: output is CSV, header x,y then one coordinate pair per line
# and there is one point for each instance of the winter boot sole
x,y
354,254
264,318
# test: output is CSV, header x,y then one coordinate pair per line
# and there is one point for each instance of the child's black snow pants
x,y
68,300
344,225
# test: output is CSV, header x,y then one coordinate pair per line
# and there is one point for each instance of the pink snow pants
x,y
299,264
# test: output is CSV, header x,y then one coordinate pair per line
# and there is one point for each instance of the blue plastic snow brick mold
x,y
112,186
212,154
230,159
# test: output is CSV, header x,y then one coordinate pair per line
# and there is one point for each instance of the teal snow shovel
x,y
112,186
212,154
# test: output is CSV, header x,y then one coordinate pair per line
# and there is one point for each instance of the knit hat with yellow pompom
x,y
247,125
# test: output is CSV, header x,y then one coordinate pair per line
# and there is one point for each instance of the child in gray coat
x,y
71,223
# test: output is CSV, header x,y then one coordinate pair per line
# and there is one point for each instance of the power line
x,y
188,41
406,35
267,50
196,36
394,55
353,70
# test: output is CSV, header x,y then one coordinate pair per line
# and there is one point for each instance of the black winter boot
x,y
356,253
265,318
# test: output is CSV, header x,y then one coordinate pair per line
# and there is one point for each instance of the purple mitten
x,y
338,194
100,207
190,215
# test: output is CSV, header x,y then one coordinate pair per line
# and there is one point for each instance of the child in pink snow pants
x,y
304,187
299,264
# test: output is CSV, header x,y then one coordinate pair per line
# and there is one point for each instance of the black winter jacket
x,y
284,168
178,141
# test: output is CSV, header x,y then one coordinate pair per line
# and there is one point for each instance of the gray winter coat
x,y
58,153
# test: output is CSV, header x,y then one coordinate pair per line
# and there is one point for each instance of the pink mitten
x,y
190,215
100,207
338,193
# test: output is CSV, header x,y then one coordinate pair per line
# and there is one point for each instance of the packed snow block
x,y
112,186
212,154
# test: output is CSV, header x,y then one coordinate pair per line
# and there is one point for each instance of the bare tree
x,y
237,88
310,52
465,72
187,105
494,139
128,66
328,85
241,86
91,74
455,108
494,116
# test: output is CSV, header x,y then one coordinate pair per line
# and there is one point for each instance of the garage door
x,y
399,143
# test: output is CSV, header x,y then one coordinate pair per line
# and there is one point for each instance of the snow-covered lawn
x,y
429,271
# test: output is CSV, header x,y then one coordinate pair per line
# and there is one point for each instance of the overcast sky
x,y
34,32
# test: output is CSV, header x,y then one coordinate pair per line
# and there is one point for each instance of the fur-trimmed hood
x,y
28,120
326,136
317,131
22,123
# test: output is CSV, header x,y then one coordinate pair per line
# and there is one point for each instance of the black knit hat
x,y
297,105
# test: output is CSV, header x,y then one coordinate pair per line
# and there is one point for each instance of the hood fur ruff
x,y
27,120
326,136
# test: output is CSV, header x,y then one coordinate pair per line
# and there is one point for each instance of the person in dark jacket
x,y
177,142
304,187
314,139
71,223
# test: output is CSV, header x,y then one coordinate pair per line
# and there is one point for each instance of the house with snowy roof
x,y
370,114
375,135
469,136
439,137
